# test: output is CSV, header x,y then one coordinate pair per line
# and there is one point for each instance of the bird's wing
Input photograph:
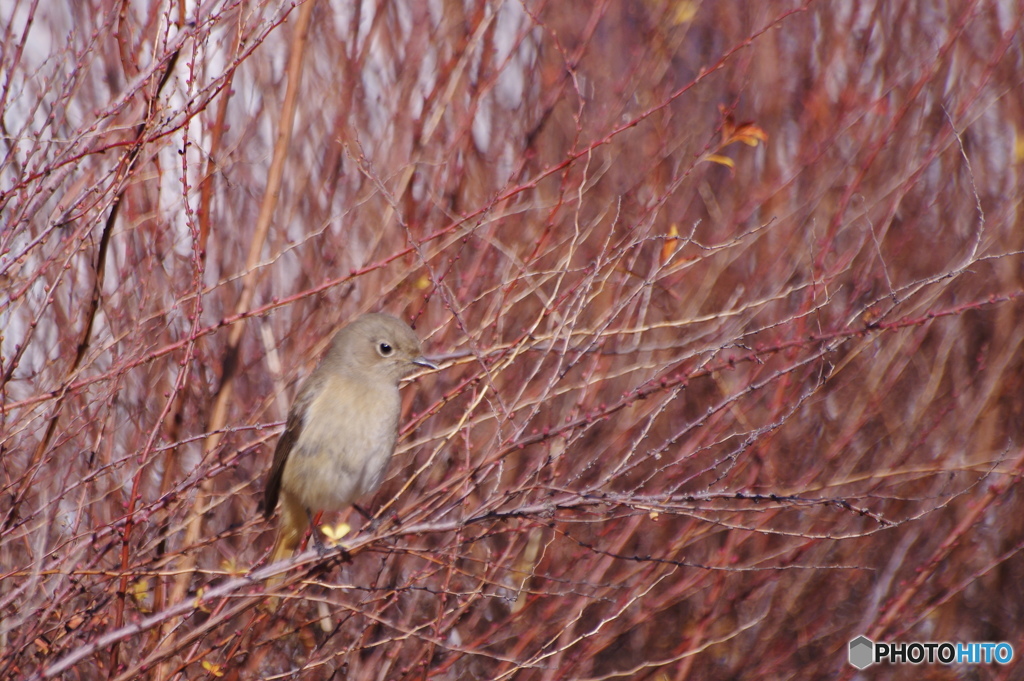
x,y
285,444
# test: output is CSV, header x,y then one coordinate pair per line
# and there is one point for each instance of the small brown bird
x,y
342,428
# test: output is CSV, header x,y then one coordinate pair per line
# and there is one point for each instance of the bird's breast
x,y
348,435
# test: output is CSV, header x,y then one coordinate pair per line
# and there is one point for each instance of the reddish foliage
x,y
693,421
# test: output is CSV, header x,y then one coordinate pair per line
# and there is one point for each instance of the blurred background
x,y
727,297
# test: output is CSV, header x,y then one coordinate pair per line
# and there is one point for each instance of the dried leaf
x,y
668,249
723,160
747,132
139,590
213,668
198,602
334,533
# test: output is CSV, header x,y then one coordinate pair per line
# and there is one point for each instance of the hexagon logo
x,y
862,651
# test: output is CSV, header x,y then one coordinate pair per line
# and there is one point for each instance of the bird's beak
x,y
424,362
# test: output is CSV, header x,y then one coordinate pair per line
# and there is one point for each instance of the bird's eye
x,y
385,349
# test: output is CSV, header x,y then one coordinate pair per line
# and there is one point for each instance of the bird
x,y
342,426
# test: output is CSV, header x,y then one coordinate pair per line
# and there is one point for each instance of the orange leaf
x,y
335,533
213,668
668,249
723,160
747,132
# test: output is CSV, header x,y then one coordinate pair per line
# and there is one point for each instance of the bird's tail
x,y
289,533
290,530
